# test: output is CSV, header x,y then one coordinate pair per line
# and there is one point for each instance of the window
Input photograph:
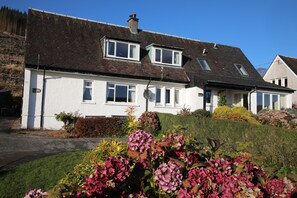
x,y
266,101
118,49
237,100
283,103
176,97
167,56
275,102
158,95
279,82
120,93
285,82
273,81
241,70
167,96
88,88
208,96
204,65
259,101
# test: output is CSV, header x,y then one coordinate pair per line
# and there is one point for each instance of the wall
x,y
279,69
64,92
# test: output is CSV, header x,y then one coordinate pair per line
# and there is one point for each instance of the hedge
x,y
273,145
98,127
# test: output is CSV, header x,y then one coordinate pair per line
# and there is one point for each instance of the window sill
x,y
122,59
168,65
121,104
168,106
88,102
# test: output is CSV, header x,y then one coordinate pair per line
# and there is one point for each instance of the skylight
x,y
204,65
241,70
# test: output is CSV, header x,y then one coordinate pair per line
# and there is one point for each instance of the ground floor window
x,y
167,96
208,96
88,91
120,93
270,101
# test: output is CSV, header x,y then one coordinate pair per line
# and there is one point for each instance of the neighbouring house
x,y
283,72
101,69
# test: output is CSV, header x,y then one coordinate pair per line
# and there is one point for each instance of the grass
x,y
42,173
272,145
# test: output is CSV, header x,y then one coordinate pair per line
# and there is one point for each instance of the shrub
x,y
184,111
282,119
234,114
68,119
201,113
149,121
98,127
130,124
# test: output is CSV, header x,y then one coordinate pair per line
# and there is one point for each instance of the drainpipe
x,y
250,97
147,95
42,100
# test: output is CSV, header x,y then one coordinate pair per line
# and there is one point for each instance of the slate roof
x,y
291,62
74,45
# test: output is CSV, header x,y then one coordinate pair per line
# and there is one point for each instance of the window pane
x,y
286,82
87,94
266,101
275,102
131,97
88,84
166,56
132,87
133,51
167,96
283,101
122,50
204,64
176,58
121,93
158,55
237,100
110,95
259,101
208,96
109,85
111,48
176,97
241,70
158,95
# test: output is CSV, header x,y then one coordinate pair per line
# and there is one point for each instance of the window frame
x,y
160,96
114,55
173,52
177,97
242,70
205,63
114,88
88,87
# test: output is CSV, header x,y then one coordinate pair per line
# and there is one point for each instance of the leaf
x,y
147,172
146,189
199,164
178,162
133,154
186,184
195,189
165,144
239,168
143,156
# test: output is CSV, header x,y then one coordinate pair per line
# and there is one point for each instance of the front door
x,y
245,101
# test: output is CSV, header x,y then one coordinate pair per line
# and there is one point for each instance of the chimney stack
x,y
133,23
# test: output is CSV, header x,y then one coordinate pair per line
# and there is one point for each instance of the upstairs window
x,y
165,55
241,70
204,65
125,50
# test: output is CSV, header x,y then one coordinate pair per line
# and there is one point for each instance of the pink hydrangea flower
x,y
140,141
36,193
168,177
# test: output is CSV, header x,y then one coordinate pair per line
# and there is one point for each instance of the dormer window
x,y
241,70
121,49
204,65
165,55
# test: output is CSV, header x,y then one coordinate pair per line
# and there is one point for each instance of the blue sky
x,y
261,28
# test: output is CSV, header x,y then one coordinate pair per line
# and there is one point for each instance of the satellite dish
x,y
147,94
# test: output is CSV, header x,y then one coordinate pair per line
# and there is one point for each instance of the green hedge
x,y
274,145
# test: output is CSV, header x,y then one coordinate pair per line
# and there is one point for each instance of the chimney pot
x,y
133,23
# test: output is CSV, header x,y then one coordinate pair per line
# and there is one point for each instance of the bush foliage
x,y
201,113
282,119
98,127
234,114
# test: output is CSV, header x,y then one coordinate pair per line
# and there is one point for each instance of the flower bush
x,y
36,193
176,167
149,121
282,119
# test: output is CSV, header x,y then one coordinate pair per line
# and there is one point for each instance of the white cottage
x,y
101,69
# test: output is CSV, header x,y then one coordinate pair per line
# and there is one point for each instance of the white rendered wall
x,y
64,92
193,100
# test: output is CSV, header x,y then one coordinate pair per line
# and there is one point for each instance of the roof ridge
x,y
153,32
287,56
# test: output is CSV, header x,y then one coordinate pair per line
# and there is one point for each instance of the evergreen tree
x,y
13,21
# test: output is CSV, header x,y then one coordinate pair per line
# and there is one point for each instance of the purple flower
x,y
168,177
36,193
140,141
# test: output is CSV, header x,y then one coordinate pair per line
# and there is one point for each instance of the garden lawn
x,y
272,145
42,173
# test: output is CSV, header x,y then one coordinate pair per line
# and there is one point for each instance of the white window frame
x,y
161,56
127,94
115,50
242,71
88,87
177,97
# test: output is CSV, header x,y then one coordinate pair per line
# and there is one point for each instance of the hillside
x,y
11,62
